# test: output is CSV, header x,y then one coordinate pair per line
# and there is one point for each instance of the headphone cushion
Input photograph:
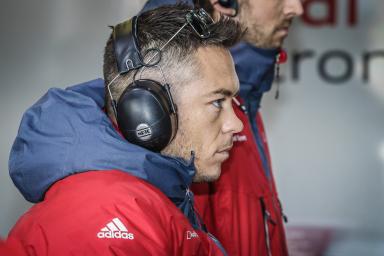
x,y
144,116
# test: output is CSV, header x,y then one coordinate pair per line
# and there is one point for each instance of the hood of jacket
x,y
67,132
255,68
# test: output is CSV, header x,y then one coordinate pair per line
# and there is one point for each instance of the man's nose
x,y
232,123
293,8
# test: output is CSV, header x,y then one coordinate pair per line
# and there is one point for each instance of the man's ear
x,y
219,9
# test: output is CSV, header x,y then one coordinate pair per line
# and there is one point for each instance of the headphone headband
x,y
127,50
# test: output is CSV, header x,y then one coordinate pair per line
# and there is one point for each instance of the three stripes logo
x,y
115,230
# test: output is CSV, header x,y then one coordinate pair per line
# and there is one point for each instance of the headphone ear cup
x,y
144,115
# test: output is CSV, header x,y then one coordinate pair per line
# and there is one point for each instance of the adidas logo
x,y
115,229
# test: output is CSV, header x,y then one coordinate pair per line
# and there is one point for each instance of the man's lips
x,y
284,26
226,149
223,154
283,31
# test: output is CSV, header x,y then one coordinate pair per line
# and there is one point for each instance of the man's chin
x,y
199,178
279,38
272,44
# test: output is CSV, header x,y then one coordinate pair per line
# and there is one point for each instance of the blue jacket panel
x,y
67,132
255,68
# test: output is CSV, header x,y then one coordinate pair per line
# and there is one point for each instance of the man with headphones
x,y
109,163
242,209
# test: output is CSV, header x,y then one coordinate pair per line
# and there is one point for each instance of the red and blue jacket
x,y
95,193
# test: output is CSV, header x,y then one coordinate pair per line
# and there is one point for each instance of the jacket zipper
x,y
266,214
267,218
200,225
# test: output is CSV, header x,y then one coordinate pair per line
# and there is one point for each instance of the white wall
x,y
46,43
327,140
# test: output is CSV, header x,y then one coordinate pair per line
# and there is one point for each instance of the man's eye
x,y
218,103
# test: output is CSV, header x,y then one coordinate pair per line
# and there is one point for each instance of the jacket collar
x,y
255,68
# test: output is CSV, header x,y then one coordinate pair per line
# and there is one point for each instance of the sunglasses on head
x,y
200,21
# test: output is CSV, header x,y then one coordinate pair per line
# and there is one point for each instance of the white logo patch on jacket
x,y
191,234
115,230
239,138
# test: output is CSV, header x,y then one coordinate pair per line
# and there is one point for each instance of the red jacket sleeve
x,y
11,247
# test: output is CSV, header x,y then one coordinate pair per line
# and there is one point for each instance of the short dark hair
x,y
155,28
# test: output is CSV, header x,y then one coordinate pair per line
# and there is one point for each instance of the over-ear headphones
x,y
145,112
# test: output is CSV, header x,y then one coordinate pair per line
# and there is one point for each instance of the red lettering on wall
x,y
352,13
331,12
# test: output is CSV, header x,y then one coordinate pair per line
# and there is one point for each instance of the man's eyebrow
x,y
224,92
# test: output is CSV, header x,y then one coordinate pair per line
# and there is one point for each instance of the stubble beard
x,y
180,147
258,34
261,39
201,176
262,36
183,147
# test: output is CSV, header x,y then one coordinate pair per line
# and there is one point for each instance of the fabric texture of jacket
x,y
64,136
11,247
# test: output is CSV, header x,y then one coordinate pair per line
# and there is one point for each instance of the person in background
x,y
102,188
242,209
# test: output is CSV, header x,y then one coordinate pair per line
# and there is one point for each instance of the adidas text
x,y
115,234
